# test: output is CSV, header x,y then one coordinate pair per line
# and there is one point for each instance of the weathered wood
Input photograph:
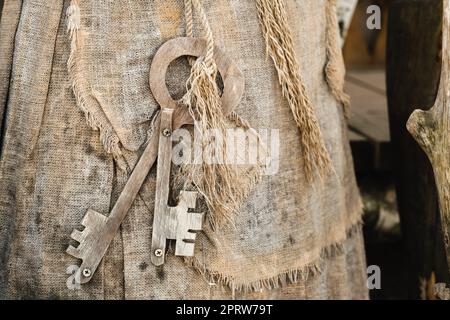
x,y
176,222
171,223
233,80
368,122
431,129
100,230
413,69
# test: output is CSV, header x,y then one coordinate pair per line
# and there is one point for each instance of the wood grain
x,y
171,223
431,129
233,79
413,69
100,230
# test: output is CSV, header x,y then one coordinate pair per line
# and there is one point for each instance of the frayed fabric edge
x,y
284,278
83,95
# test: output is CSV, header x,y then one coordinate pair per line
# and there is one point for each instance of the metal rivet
x,y
158,252
86,272
167,132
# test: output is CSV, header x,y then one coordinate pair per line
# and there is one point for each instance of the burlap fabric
x,y
293,239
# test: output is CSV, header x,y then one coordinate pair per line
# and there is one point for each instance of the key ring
x,y
173,49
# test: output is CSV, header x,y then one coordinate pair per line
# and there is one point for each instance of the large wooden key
x,y
99,229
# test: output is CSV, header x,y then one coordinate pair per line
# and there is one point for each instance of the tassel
x,y
335,68
223,186
280,47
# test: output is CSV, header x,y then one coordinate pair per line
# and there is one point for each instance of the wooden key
x,y
99,229
171,223
177,223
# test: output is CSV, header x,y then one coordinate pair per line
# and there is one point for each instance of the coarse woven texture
x,y
54,166
8,27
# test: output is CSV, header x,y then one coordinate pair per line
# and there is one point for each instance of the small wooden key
x,y
99,229
171,223
176,223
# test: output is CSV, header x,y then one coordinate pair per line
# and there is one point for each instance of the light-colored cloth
x,y
292,239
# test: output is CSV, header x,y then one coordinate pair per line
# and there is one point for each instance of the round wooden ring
x,y
233,79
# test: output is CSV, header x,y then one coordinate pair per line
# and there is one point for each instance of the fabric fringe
x,y
335,68
286,277
85,97
280,280
279,45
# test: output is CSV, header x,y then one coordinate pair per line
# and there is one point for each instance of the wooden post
x,y
431,129
413,68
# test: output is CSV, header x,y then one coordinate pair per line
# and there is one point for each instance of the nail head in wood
x,y
167,132
87,272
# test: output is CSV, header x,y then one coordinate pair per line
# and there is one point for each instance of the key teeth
x,y
189,198
77,235
93,218
73,252
184,249
196,221
188,250
185,246
191,236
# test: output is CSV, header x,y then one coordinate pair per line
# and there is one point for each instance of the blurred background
x,y
390,72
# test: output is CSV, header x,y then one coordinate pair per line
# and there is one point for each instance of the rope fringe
x,y
335,68
224,187
279,46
